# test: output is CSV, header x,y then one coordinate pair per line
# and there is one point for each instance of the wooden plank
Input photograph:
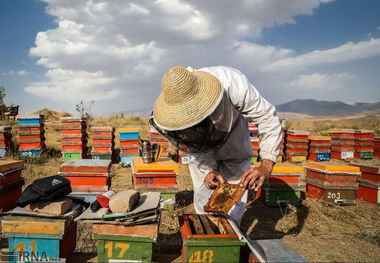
x,y
36,225
207,225
198,225
333,168
148,231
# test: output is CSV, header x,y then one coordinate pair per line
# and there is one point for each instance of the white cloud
x,y
321,82
19,73
111,49
344,53
378,28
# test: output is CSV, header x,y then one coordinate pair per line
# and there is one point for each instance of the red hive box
x,y
11,183
369,182
331,183
5,140
87,175
319,148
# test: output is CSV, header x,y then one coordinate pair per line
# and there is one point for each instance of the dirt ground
x,y
318,232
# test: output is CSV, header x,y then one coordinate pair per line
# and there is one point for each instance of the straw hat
x,y
187,98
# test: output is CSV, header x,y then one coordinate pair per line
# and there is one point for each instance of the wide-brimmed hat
x,y
186,99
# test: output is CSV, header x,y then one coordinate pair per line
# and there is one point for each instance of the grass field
x,y
318,232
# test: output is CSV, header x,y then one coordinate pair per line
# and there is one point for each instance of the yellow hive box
x,y
163,165
280,168
311,137
333,168
33,225
129,130
10,165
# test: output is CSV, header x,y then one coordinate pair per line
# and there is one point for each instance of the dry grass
x,y
316,231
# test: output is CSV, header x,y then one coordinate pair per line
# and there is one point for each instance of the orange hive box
x,y
157,175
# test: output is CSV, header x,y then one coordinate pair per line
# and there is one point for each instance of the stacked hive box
x,y
156,137
129,144
330,183
297,143
342,144
376,152
283,186
319,148
103,143
157,176
11,183
364,144
255,148
208,238
5,140
74,138
254,133
282,144
31,135
87,175
369,182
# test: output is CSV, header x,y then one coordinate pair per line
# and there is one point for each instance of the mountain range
x,y
327,108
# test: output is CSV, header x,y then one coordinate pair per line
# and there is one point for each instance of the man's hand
x,y
212,179
252,174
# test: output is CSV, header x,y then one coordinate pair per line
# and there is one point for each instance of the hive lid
x,y
105,128
298,132
73,119
282,168
342,131
366,167
29,116
223,198
364,131
129,130
163,165
6,165
333,168
85,165
320,138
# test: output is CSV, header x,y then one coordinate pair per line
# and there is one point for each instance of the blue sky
x,y
56,53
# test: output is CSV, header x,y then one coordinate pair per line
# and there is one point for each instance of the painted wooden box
x,y
30,153
157,175
342,155
125,243
39,238
295,158
331,194
363,155
126,133
319,156
72,155
369,172
368,191
207,238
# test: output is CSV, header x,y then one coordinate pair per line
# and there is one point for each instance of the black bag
x,y
45,189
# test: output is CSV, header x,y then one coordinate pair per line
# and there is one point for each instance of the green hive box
x,y
281,197
207,246
125,243
71,155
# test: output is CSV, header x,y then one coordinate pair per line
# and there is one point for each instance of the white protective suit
x,y
241,103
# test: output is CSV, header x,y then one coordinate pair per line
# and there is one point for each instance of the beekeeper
x,y
205,112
